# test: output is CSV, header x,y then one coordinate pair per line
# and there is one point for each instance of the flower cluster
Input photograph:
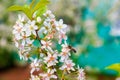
x,y
46,30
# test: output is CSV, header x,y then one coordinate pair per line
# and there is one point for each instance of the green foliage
x,y
115,67
41,11
39,5
29,10
32,3
15,8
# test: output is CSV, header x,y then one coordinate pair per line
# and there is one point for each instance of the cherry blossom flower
x,y
24,52
81,74
25,31
29,42
16,42
35,65
20,19
62,36
50,36
47,27
34,77
46,44
49,14
65,52
31,27
65,47
18,28
24,38
60,26
64,55
68,65
51,59
48,75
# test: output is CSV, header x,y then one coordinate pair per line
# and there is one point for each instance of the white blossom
x,y
45,29
65,52
46,44
81,74
68,65
50,74
51,59
49,14
62,36
34,77
20,19
60,26
35,65
31,27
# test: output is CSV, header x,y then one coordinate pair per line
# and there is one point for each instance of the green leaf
x,y
27,11
40,6
41,3
41,11
32,3
15,8
115,67
24,9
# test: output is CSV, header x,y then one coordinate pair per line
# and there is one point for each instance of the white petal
x,y
33,69
28,32
23,42
18,37
54,76
60,21
34,33
35,27
43,42
33,23
38,19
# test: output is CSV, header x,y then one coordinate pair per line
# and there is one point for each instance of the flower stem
x,y
38,37
62,78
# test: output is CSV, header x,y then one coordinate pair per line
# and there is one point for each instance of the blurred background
x,y
94,32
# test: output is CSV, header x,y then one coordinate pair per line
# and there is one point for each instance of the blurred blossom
x,y
115,30
92,69
90,26
3,42
113,16
118,78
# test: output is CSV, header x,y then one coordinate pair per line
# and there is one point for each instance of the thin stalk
x,y
62,78
38,37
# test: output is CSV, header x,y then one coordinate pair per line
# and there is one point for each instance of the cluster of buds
x,y
48,62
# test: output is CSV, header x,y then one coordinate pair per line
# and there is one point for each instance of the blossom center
x,y
31,28
51,58
69,65
48,74
24,37
19,29
64,53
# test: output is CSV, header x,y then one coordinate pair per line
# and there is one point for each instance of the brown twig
x,y
37,36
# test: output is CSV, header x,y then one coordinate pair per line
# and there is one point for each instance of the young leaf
x,y
27,11
15,8
24,9
41,3
115,67
32,3
41,11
